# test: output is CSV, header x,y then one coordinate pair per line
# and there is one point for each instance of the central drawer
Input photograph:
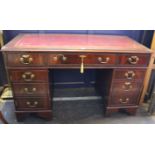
x,y
104,59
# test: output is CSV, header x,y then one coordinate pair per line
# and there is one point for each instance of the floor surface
x,y
141,117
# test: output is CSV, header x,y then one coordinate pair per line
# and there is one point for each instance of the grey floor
x,y
141,117
74,110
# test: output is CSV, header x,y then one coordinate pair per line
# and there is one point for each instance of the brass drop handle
x,y
127,86
32,104
28,76
26,59
63,58
28,91
82,64
133,60
124,101
130,74
103,61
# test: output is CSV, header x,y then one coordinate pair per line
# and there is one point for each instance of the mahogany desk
x,y
121,63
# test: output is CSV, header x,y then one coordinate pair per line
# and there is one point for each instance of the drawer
x,y
77,59
124,86
123,99
28,75
134,59
27,59
108,59
129,74
32,103
30,89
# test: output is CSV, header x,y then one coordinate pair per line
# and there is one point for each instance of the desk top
x,y
73,42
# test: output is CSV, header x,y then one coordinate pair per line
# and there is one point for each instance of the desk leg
x,y
45,115
110,111
131,111
20,116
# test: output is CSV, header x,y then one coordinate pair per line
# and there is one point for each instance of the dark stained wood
x,y
45,60
39,75
103,59
129,74
110,111
124,93
103,83
14,59
131,110
21,116
125,86
45,115
32,103
143,59
123,99
28,58
30,89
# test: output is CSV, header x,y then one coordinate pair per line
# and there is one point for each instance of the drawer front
x,y
125,86
77,59
63,59
30,89
129,74
124,99
27,59
28,75
133,60
32,103
125,93
108,59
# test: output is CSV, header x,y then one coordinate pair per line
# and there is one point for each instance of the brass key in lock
x,y
82,64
